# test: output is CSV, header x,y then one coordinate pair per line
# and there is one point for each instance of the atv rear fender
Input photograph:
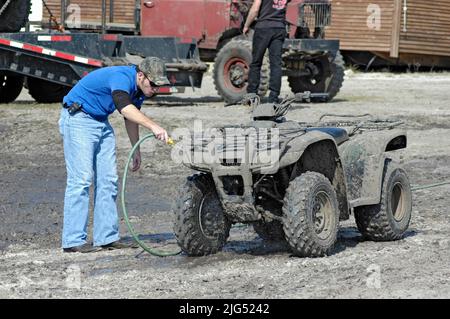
x,y
363,158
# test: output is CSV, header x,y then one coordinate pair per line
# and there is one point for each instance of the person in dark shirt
x,y
90,147
270,32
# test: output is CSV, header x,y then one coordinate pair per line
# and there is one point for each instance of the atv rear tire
x,y
390,219
46,92
328,80
231,69
201,228
10,87
311,215
15,15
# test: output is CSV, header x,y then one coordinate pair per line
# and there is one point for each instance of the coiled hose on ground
x,y
135,236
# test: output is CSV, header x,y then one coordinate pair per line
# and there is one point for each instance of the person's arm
x,y
131,113
133,135
252,15
133,118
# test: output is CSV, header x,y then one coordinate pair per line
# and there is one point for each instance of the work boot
x,y
119,244
85,248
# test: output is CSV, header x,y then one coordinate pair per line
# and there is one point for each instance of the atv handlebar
x,y
254,99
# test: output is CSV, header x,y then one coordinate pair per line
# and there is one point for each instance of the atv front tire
x,y
201,228
311,215
390,219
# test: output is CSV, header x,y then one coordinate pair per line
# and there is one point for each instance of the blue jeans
x,y
90,155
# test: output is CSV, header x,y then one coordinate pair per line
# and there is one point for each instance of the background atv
x,y
316,175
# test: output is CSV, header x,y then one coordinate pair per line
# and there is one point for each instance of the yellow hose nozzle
x,y
170,141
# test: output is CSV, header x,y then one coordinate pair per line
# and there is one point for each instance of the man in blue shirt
x,y
89,147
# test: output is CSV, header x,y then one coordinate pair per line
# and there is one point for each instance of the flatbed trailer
x,y
51,63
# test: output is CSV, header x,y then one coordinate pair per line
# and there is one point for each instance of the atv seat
x,y
339,134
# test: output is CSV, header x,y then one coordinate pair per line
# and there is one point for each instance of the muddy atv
x,y
293,181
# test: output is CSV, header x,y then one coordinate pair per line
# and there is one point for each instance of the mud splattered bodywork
x,y
260,171
364,157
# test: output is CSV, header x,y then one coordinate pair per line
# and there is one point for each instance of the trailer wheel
x,y
201,227
15,15
10,87
328,78
390,219
231,69
45,91
311,215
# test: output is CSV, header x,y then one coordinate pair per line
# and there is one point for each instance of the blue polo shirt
x,y
94,91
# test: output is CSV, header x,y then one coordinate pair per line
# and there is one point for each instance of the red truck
x,y
310,62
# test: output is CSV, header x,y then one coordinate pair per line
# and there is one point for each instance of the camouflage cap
x,y
155,69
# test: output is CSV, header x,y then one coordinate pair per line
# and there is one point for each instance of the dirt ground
x,y
32,182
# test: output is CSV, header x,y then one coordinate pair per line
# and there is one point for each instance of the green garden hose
x,y
419,187
135,236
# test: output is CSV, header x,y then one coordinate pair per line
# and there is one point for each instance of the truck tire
x,y
311,215
201,227
231,68
328,80
10,87
45,91
390,219
15,15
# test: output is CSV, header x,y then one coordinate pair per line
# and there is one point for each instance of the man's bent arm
x,y
131,113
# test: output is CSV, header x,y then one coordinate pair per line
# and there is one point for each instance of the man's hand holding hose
x,y
131,113
133,118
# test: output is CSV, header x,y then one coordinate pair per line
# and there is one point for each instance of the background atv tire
x,y
390,219
15,15
231,68
329,80
311,215
10,87
201,228
46,92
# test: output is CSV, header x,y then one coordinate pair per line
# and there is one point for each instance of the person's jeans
x,y
272,39
90,155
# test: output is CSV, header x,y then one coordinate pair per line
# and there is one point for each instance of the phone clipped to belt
x,y
74,108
